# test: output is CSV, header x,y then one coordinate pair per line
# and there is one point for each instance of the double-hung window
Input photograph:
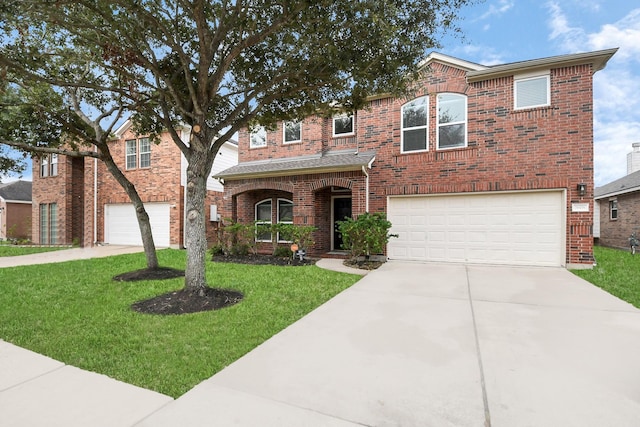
x,y
415,125
138,153
532,91
292,132
452,121
285,213
263,219
613,209
343,125
258,137
49,165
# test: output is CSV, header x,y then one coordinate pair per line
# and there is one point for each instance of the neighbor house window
x,y
48,224
415,124
49,165
263,217
613,209
452,121
292,132
285,213
531,92
258,137
138,153
132,153
342,125
145,152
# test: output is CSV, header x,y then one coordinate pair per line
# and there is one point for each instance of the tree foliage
x,y
219,65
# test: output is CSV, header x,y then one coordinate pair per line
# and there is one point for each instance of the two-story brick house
x,y
77,201
483,165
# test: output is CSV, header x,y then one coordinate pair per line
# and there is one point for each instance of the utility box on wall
x,y
213,214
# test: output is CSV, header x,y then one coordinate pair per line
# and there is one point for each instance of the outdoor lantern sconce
x,y
582,189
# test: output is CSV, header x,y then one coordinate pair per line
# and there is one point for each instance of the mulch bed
x,y
264,260
159,273
363,264
187,301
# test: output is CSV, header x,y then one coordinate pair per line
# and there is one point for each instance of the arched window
x,y
263,217
452,121
415,125
285,214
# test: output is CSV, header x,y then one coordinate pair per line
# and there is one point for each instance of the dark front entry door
x,y
341,210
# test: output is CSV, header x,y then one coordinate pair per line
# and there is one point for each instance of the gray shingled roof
x,y
329,162
16,191
626,184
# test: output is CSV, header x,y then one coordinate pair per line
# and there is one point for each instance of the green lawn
x,y
617,272
7,249
75,313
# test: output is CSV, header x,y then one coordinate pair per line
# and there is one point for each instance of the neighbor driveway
x,y
416,344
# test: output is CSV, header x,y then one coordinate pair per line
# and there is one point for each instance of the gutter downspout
x,y
366,196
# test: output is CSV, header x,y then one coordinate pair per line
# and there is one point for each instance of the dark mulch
x,y
263,260
159,273
363,264
187,301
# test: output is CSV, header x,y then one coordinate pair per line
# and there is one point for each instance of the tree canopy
x,y
214,65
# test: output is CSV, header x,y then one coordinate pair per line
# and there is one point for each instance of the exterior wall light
x,y
582,189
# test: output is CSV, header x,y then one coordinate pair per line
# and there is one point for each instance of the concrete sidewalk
x,y
70,254
409,345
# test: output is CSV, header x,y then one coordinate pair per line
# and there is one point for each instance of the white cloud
x,y
496,9
624,34
571,37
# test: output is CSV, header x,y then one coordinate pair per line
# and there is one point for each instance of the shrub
x,y
367,235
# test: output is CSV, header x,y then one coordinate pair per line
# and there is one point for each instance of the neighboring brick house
x,y
619,206
483,165
77,201
15,210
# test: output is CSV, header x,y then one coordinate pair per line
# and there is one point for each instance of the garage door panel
x,y
121,224
504,228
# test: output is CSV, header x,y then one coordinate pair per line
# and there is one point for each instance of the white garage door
x,y
525,228
121,226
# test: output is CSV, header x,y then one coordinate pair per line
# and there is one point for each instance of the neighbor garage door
x,y
524,228
121,226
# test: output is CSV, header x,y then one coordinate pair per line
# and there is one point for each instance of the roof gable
x,y
451,61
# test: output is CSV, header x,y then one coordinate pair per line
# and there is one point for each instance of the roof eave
x,y
290,172
598,58
617,193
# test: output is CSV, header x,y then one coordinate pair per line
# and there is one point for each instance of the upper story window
x,y
343,125
292,132
613,209
138,153
415,124
532,91
258,137
49,165
452,121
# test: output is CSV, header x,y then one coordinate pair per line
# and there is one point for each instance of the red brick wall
x,y
542,148
52,189
18,220
615,233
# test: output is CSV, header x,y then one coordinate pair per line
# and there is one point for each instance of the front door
x,y
341,210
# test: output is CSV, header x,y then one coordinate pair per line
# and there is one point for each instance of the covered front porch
x,y
309,194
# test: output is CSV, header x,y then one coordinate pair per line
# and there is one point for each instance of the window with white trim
x,y
415,125
613,209
452,121
532,91
258,137
343,125
138,153
285,214
292,132
48,165
263,217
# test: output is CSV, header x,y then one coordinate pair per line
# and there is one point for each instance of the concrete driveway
x,y
437,345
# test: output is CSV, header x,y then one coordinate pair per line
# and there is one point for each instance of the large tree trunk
x,y
198,170
141,213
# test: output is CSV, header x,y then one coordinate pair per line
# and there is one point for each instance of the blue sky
x,y
502,31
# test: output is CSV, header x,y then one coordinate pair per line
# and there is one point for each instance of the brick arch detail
x,y
331,182
259,185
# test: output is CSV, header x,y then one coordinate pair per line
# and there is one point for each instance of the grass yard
x,y
617,272
74,313
7,249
